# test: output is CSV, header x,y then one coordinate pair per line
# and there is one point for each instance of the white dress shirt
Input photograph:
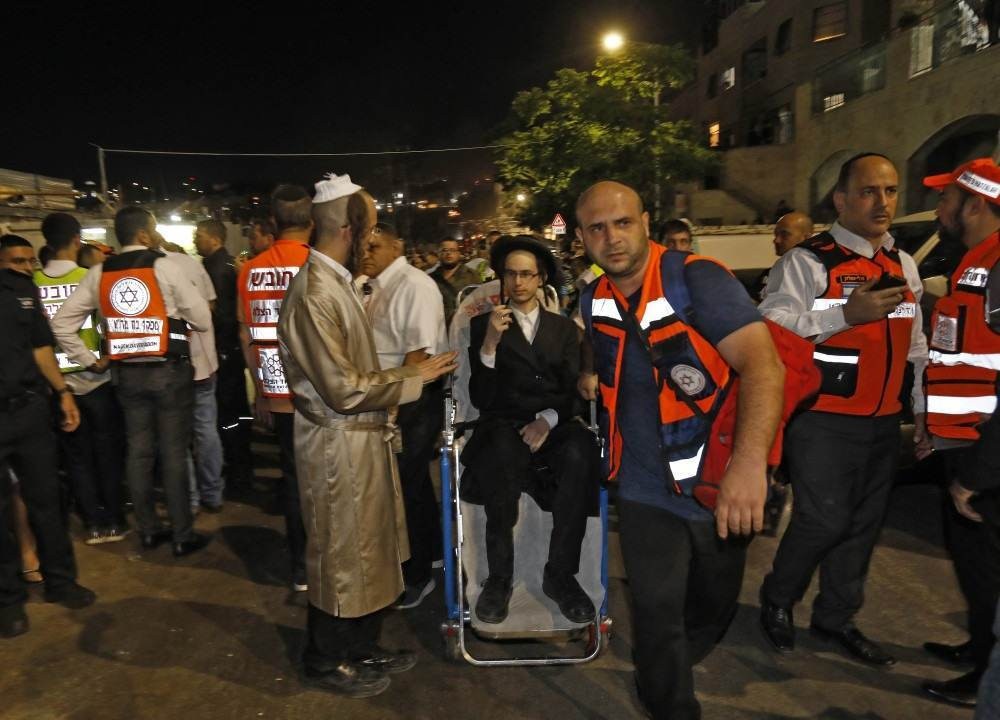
x,y
406,313
204,358
799,277
180,298
528,322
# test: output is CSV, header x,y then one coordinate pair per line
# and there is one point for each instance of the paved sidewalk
x,y
217,635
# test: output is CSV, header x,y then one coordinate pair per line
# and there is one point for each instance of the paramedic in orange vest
x,y
148,306
685,567
961,411
856,297
262,284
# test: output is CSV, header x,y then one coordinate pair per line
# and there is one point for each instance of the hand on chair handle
x,y
434,367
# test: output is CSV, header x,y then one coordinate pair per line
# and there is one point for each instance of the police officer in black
x,y
27,441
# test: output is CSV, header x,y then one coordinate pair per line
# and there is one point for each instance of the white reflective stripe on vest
x,y
827,303
990,361
687,468
952,405
604,307
842,359
263,332
656,310
904,310
64,362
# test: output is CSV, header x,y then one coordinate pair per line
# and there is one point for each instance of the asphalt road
x,y
218,635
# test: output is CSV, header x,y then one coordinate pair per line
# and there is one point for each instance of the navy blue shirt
x,y
720,306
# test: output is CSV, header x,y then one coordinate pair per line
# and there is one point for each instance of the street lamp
x,y
612,41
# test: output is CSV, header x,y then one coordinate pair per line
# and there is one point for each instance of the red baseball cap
x,y
981,176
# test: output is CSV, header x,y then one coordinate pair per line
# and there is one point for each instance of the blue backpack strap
x,y
674,285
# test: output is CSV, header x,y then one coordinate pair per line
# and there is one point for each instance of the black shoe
x,y
387,661
13,621
778,625
856,645
493,600
186,547
573,602
350,679
954,654
72,595
214,508
154,539
957,691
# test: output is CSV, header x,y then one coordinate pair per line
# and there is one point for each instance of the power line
x,y
131,151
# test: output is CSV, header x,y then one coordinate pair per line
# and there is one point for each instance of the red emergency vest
x,y
135,315
262,285
863,366
965,351
698,390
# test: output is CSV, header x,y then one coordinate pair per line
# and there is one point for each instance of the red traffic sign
x,y
558,222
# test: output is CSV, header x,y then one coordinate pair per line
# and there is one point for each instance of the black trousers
x,y
295,529
234,415
158,402
684,583
842,469
28,445
975,546
569,488
332,639
420,423
94,459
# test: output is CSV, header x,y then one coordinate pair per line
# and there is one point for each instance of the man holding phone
x,y
856,296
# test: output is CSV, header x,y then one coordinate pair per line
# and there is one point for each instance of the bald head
x,y
791,230
605,190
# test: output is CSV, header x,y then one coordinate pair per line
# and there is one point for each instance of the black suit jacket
x,y
526,378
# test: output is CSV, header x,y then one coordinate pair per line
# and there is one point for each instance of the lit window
x,y
727,79
714,134
830,21
832,102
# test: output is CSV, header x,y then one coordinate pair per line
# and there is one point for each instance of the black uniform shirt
x,y
222,270
23,327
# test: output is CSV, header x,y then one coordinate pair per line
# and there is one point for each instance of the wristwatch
x,y
63,391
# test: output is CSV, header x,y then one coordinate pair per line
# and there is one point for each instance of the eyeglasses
x,y
512,275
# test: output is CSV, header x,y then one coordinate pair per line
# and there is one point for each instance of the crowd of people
x,y
344,334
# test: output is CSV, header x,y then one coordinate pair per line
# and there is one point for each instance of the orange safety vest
x,y
863,367
684,362
262,285
698,390
965,351
135,315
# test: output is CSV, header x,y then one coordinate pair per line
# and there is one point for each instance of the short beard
x,y
949,235
447,266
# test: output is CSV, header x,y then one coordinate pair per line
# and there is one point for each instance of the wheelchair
x,y
533,616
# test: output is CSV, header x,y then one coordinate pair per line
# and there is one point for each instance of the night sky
x,y
295,77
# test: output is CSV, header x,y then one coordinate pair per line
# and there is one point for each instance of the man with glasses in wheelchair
x,y
524,365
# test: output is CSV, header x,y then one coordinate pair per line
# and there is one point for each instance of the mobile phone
x,y
889,281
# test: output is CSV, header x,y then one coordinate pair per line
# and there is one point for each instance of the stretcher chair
x,y
532,615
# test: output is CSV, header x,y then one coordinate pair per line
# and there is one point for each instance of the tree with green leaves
x,y
607,123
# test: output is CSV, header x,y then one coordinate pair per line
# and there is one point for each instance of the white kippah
x,y
334,188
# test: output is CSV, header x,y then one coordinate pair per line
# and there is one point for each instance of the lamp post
x,y
612,41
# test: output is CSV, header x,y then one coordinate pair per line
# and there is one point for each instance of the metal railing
x,y
948,32
850,77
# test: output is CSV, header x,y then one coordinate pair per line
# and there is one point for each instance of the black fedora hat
x,y
507,244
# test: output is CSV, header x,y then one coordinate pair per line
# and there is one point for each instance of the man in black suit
x,y
524,363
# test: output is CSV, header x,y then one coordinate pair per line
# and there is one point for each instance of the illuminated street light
x,y
613,41
521,197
